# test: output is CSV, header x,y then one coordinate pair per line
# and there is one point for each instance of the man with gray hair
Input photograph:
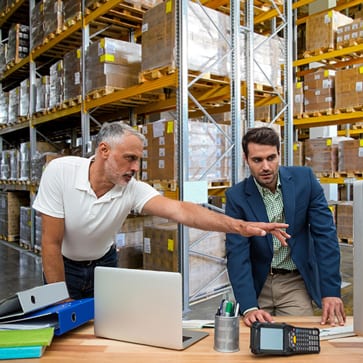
x,y
83,203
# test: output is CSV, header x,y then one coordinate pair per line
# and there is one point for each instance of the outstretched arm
x,y
196,216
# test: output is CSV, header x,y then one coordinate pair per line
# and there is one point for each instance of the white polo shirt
x,y
91,223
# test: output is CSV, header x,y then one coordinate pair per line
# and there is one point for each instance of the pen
x,y
229,308
236,312
220,309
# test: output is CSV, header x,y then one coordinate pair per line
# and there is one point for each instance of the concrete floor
x,y
21,270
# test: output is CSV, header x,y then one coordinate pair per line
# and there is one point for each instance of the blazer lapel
x,y
288,194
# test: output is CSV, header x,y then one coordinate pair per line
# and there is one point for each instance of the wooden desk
x,y
82,346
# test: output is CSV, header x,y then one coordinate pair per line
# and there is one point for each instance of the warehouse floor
x,y
21,270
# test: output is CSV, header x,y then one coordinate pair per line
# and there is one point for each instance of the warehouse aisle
x,y
20,269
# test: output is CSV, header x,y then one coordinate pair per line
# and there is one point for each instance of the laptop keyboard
x,y
185,338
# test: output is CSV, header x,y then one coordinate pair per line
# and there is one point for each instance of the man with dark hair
x,y
83,203
269,278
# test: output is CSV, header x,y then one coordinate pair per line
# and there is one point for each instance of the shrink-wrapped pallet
x,y
72,74
18,43
112,64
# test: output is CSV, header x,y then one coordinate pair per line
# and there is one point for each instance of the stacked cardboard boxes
x,y
207,145
129,240
25,227
319,90
18,43
10,203
37,25
14,100
72,74
344,221
4,106
350,34
159,159
321,155
56,84
350,156
205,42
53,17
321,29
42,93
24,94
349,87
298,105
112,63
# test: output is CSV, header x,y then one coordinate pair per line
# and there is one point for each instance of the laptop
x,y
141,306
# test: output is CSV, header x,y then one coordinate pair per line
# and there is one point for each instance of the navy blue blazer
x,y
313,243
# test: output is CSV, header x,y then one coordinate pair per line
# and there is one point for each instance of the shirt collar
x,y
263,191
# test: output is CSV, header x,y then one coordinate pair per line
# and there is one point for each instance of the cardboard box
x,y
72,74
298,105
321,155
350,34
205,42
18,43
10,203
349,87
25,239
53,17
345,221
56,82
207,145
37,28
350,154
319,91
321,29
112,63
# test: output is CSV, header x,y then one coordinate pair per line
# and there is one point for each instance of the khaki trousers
x,y
285,295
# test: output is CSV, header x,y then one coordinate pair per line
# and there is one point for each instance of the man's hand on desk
x,y
257,315
333,311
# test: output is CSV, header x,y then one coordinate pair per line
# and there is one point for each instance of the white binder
x,y
33,299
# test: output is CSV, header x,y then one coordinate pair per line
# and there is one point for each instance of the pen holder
x,y
226,333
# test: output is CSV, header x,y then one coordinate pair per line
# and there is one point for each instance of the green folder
x,y
26,338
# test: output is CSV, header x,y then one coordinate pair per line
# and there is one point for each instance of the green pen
x,y
229,308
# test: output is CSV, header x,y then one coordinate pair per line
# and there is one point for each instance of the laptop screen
x,y
139,306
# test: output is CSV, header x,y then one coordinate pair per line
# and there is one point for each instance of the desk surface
x,y
82,346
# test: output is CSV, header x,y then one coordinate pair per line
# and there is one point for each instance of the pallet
x,y
348,174
13,63
164,185
219,184
101,92
349,43
73,20
10,238
156,73
318,51
345,240
324,174
71,102
53,35
25,245
348,109
327,112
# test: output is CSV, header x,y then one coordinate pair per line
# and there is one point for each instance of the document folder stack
x,y
18,344
42,307
26,301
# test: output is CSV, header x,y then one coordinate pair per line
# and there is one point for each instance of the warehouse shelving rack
x,y
84,118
